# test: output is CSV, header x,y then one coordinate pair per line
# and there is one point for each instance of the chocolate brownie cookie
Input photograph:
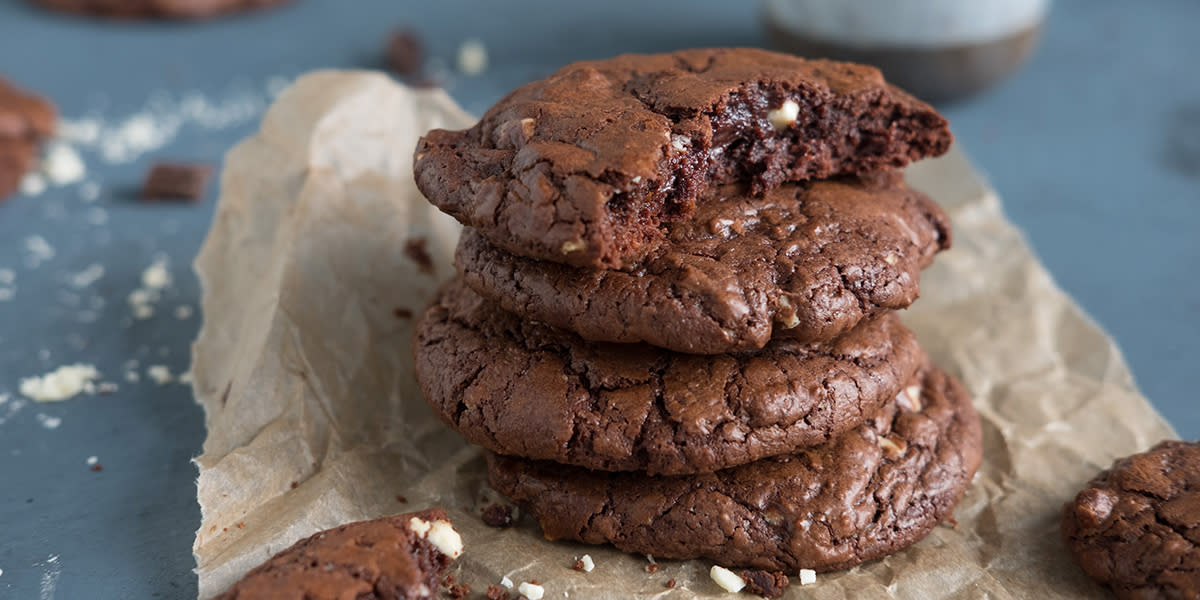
x,y
806,261
523,388
398,557
157,9
865,494
582,167
1136,526
25,120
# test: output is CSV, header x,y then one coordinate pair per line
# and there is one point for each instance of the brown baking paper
x,y
304,369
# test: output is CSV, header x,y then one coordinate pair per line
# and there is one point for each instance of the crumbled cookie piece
x,y
768,584
405,52
176,181
498,515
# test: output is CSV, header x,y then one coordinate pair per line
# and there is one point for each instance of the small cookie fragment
x,y
400,557
176,181
25,120
768,584
498,515
405,52
1136,526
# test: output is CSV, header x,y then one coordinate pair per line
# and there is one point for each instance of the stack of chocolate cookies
x,y
673,328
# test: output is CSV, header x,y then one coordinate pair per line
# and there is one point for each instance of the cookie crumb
x,y
60,384
652,568
671,583
97,467
765,583
807,576
532,591
295,484
401,499
402,313
585,564
495,592
415,250
176,181
405,52
458,591
498,515
726,579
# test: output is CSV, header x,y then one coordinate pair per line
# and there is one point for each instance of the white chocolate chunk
x,y
807,576
781,118
531,591
728,580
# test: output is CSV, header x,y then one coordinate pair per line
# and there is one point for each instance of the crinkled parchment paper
x,y
304,369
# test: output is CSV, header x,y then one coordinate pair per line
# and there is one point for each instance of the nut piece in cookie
x,y
1136,526
400,557
584,166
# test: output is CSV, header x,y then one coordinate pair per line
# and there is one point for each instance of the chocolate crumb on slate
x,y
401,499
458,591
578,565
768,584
405,52
498,515
495,592
97,467
652,568
295,484
402,313
176,181
415,249
671,583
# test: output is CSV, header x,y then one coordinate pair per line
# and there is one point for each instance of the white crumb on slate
x,y
154,279
37,251
64,382
63,165
156,276
32,184
728,580
49,422
587,563
91,460
132,376
506,582
91,274
472,57
183,312
160,374
7,293
185,378
8,276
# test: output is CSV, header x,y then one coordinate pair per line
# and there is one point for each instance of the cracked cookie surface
x,y
523,388
804,261
392,558
584,166
866,494
1136,526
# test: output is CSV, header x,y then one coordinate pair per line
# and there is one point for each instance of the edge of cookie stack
x,y
674,328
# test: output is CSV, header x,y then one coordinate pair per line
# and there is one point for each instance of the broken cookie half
x,y
584,166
